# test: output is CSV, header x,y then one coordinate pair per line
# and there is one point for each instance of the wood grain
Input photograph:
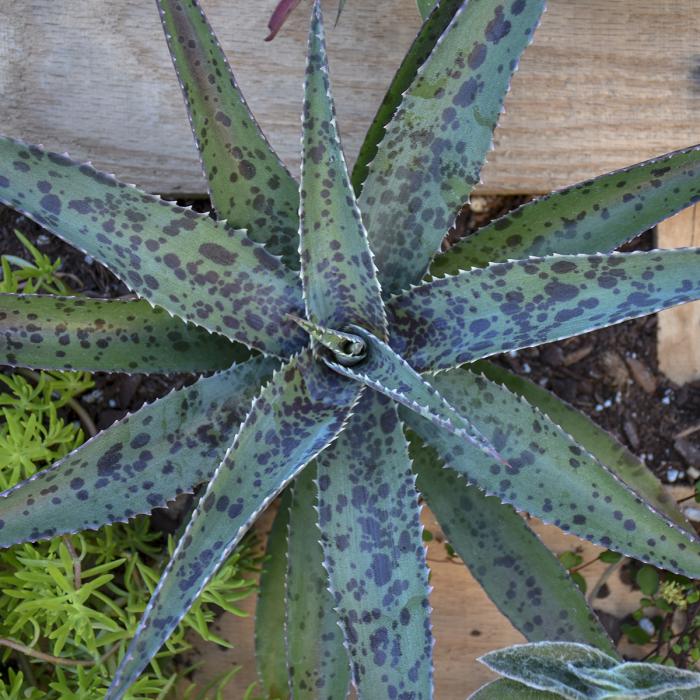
x,y
466,623
604,85
678,334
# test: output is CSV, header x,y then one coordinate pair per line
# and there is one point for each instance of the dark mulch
x,y
612,374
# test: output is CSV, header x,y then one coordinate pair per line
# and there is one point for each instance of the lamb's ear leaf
x,y
437,17
371,536
548,666
270,642
53,332
521,303
300,411
551,477
389,374
595,216
505,689
338,274
318,661
522,577
138,464
173,257
601,444
434,147
238,162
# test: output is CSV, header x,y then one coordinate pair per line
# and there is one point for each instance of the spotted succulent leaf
x,y
521,576
384,371
140,463
195,268
53,332
434,147
270,609
339,278
300,411
521,303
248,184
432,29
371,535
601,444
548,475
319,668
593,216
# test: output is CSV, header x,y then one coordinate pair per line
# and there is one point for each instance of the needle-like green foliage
x,y
341,349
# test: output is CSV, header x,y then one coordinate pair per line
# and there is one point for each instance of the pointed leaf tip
x,y
279,17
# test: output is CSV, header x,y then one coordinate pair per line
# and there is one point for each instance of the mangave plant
x,y
337,354
550,670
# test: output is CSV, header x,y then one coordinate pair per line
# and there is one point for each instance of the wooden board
x,y
466,623
679,328
605,84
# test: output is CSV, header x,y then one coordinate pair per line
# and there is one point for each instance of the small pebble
x,y
666,401
672,475
89,260
526,368
599,407
112,403
607,403
693,473
647,625
42,239
692,514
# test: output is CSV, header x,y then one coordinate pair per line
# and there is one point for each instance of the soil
x,y
612,374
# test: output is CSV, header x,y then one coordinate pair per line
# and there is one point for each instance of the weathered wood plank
x,y
595,92
678,334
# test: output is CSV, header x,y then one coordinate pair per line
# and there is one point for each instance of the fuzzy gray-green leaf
x,y
517,304
248,184
601,444
138,464
52,332
270,643
340,283
431,156
200,270
371,535
548,475
319,667
423,44
505,689
522,577
595,216
296,415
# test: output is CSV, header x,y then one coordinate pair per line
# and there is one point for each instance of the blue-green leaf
x,y
270,610
319,668
52,332
421,48
548,475
248,184
522,577
595,216
138,464
296,415
200,270
371,536
601,444
434,147
340,284
511,305
505,689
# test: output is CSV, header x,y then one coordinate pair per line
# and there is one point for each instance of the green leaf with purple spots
x,y
595,216
319,668
423,44
202,271
505,689
601,444
52,332
522,577
431,156
371,536
548,475
140,463
384,371
270,609
296,415
248,184
338,274
518,304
